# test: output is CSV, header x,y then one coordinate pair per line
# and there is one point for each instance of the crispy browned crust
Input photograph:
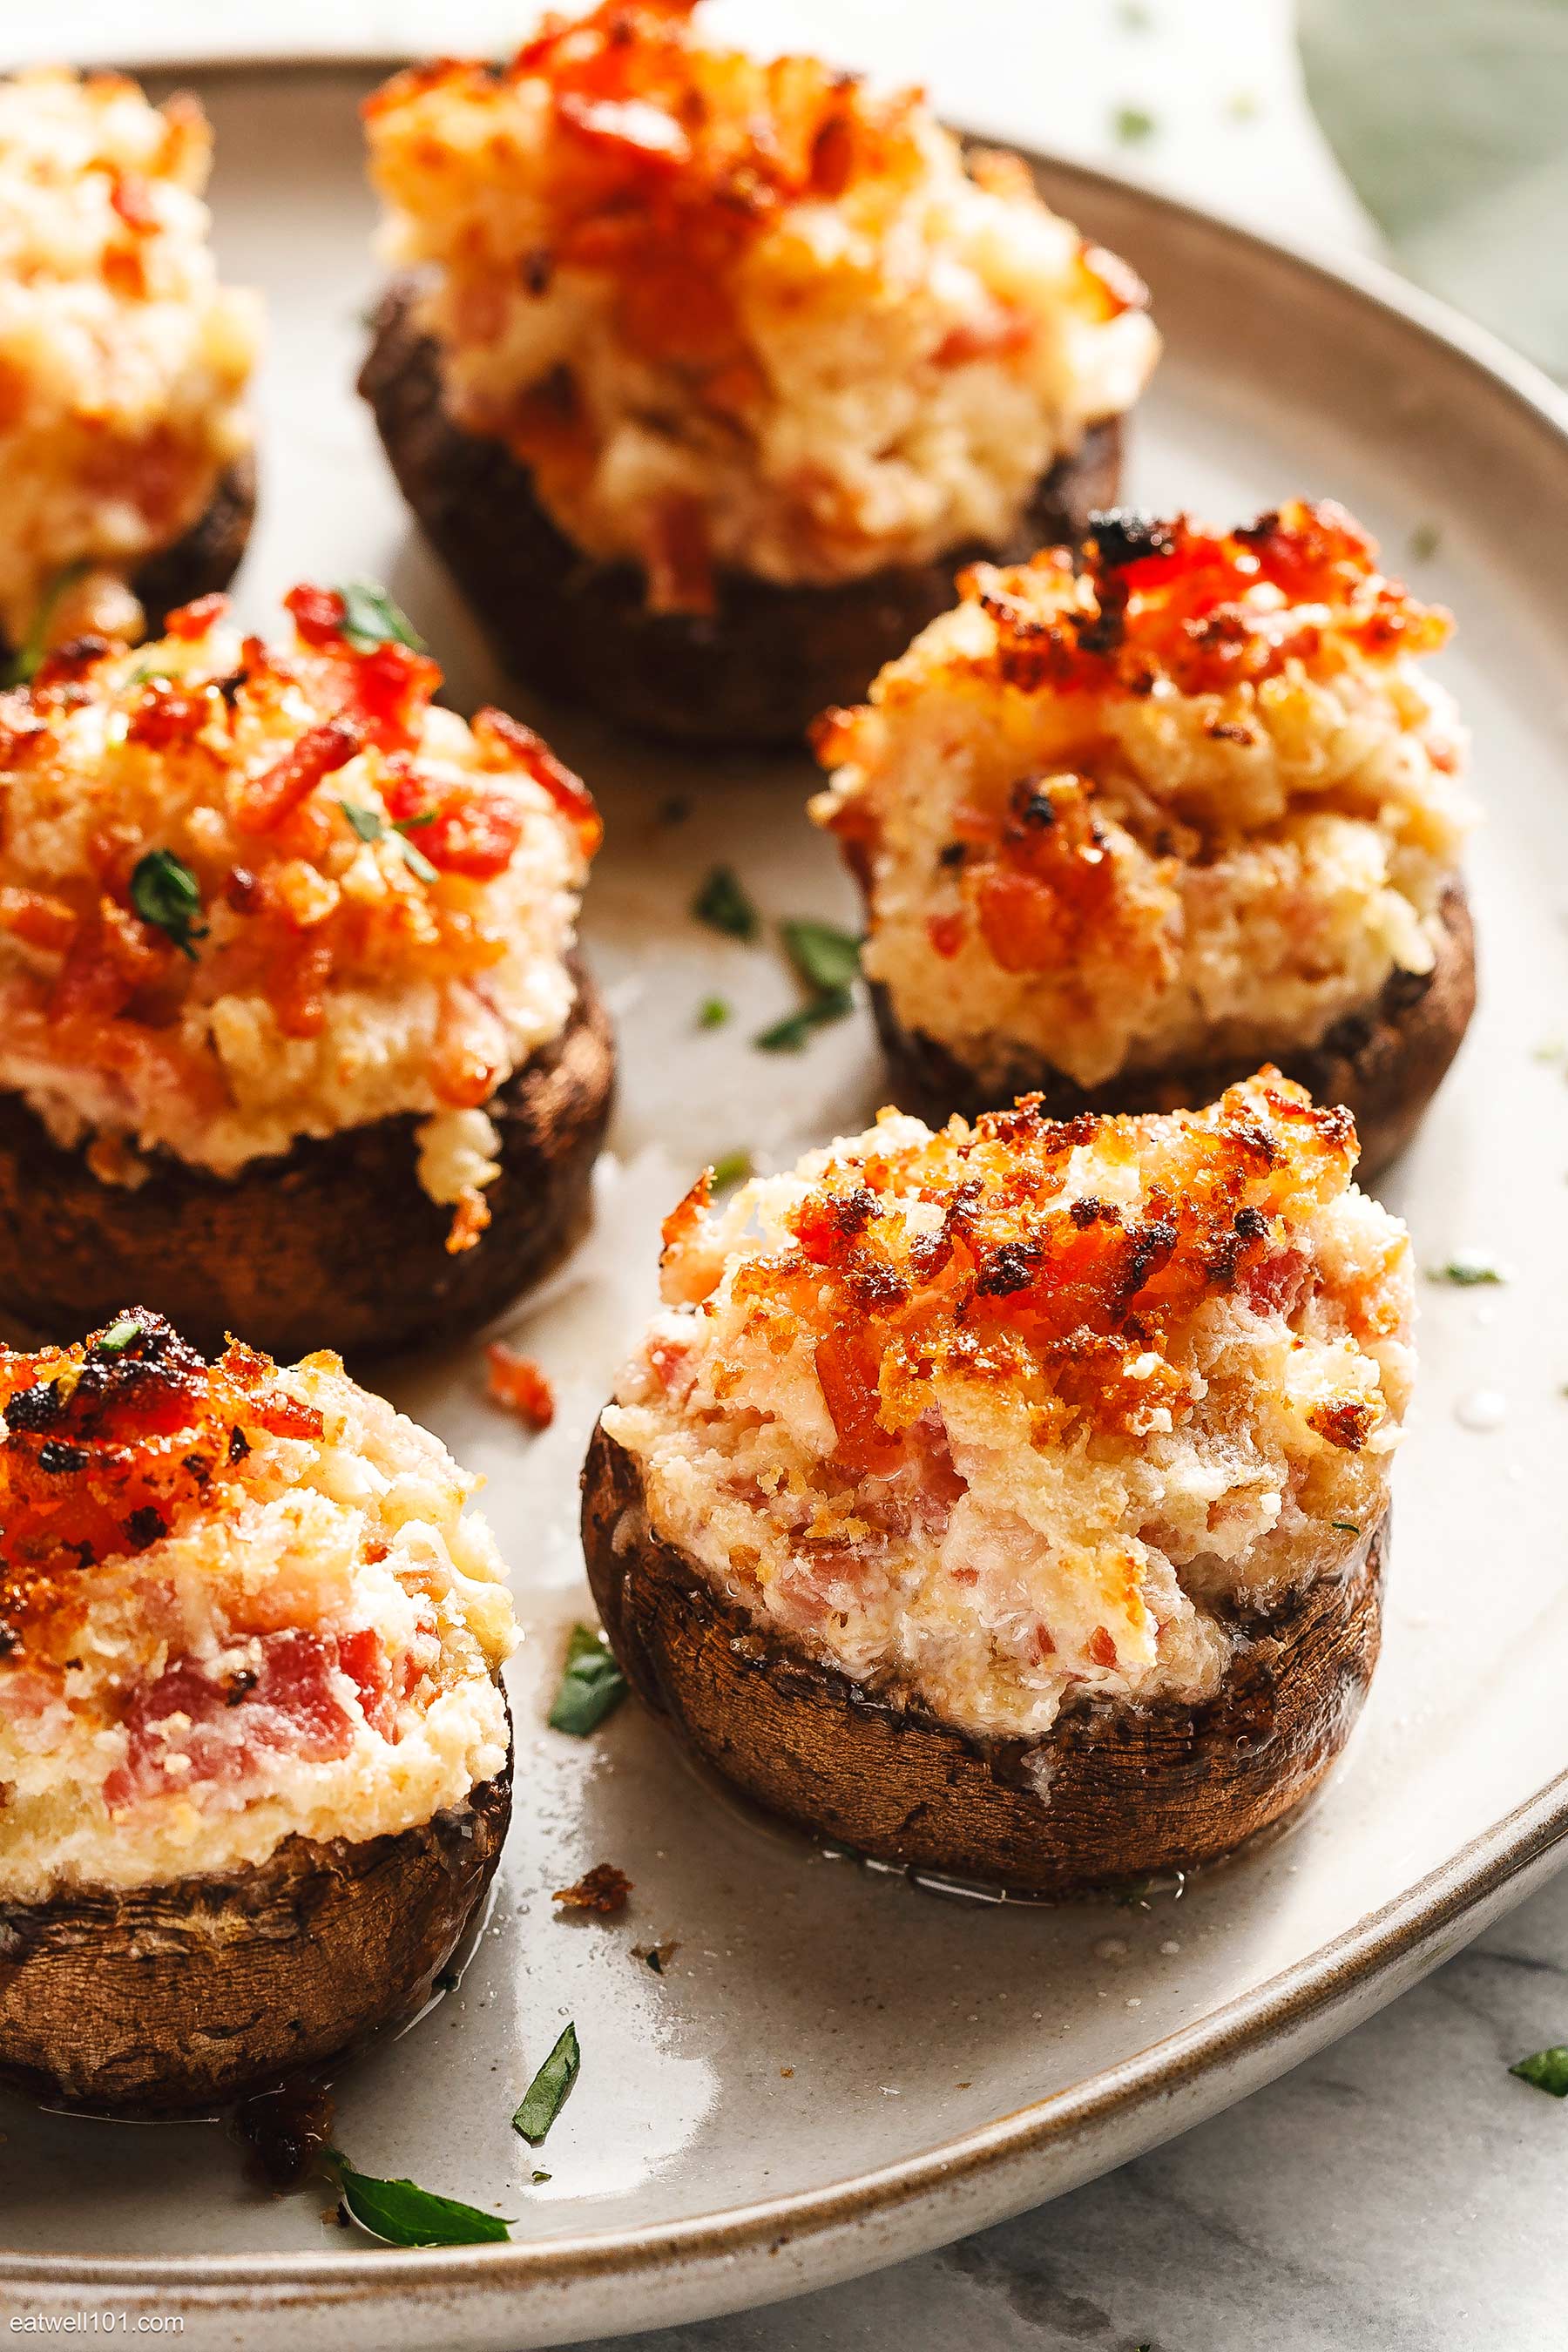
x,y
202,560
1384,1064
758,670
163,1999
1128,1791
334,1245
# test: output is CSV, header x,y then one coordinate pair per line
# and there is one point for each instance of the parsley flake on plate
x,y
546,2094
723,904
591,1685
1547,2069
404,2214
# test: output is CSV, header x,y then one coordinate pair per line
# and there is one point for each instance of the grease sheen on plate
x,y
835,2067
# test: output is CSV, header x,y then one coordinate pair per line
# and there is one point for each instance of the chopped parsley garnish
x,y
167,894
447,1981
654,1960
143,673
733,1168
1345,1527
827,959
713,1012
1465,1270
537,2176
29,657
591,1685
788,1036
371,619
371,825
1547,2069
404,2215
1133,125
723,906
118,1337
546,2094
1424,541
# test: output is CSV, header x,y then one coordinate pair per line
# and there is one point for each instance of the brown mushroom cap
x,y
334,1245
1111,1792
757,670
149,2001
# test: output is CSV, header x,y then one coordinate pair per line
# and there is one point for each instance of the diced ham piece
x,y
194,1726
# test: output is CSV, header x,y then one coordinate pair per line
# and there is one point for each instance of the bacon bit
x,y
266,800
1005,329
678,557
1101,1648
1152,599
603,1889
387,691
132,197
319,614
195,619
472,833
1347,1425
519,1383
507,742
65,664
300,970
470,1219
846,1366
945,932
642,133
166,714
37,919
1117,284
99,1448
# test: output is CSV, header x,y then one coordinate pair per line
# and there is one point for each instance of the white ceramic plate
x,y
838,2068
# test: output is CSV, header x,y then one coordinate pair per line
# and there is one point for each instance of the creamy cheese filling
x,y
123,363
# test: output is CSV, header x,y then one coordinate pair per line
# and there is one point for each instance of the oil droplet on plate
x,y
1481,1409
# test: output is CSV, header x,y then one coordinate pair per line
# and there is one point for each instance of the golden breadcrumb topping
x,y
250,892
123,363
1019,1410
235,1602
1181,793
744,314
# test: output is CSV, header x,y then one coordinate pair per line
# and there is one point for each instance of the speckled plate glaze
x,y
836,2067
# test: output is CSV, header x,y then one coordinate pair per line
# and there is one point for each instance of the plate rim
x,y
1323,1982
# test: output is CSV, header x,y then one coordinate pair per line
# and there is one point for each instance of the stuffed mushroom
x,y
708,372
1131,819
255,1760
293,1035
127,480
1011,1502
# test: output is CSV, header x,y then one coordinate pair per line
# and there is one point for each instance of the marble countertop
x,y
1400,2190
